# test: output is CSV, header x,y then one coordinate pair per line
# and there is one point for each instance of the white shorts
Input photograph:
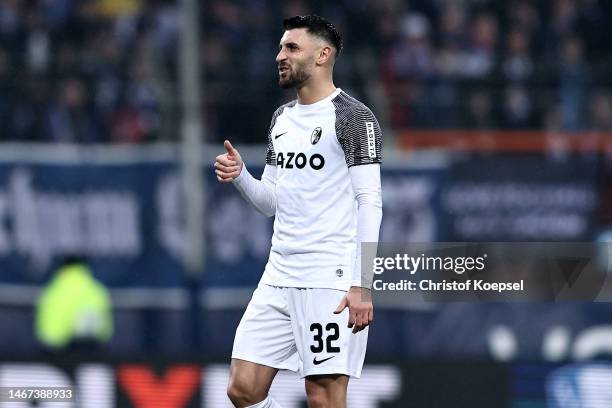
x,y
296,329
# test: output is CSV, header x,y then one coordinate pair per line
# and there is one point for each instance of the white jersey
x,y
312,147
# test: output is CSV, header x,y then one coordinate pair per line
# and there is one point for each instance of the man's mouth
x,y
283,69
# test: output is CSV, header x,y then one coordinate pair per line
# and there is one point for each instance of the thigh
x,y
325,343
264,335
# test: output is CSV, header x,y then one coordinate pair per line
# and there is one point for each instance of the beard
x,y
294,79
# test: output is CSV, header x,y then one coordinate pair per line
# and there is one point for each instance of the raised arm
x,y
230,168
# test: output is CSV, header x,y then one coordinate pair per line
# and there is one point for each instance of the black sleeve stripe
x,y
358,131
270,154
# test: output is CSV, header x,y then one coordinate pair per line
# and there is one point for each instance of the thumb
x,y
343,304
230,149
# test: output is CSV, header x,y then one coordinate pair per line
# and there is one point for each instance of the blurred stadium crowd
x,y
106,70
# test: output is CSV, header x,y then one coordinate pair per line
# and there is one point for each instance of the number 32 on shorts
x,y
332,333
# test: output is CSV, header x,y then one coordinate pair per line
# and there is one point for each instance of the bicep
x,y
361,139
366,183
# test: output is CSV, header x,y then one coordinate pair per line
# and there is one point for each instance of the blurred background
x,y
125,267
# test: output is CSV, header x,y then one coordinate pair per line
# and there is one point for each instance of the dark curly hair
x,y
318,26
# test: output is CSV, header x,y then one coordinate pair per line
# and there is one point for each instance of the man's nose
x,y
281,56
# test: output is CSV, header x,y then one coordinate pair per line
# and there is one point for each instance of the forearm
x,y
260,193
367,189
368,224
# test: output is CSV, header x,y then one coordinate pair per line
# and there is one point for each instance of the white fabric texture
x,y
322,183
366,184
260,193
277,330
267,403
367,189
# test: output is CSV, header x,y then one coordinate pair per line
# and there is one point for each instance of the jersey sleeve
x,y
360,136
270,153
367,188
260,193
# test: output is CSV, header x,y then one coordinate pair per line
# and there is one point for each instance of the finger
x,y
224,160
341,306
226,176
226,169
230,149
224,180
351,320
358,323
370,316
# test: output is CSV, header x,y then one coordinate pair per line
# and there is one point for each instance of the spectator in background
x,y
56,12
452,25
443,91
523,15
517,69
517,109
214,56
517,64
480,55
74,310
413,55
225,67
574,78
426,55
66,60
10,24
479,111
600,112
407,66
69,118
448,64
30,104
142,105
557,145
37,43
564,19
106,70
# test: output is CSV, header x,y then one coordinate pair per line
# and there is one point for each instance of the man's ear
x,y
325,54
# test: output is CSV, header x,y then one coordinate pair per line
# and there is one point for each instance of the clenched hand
x,y
228,165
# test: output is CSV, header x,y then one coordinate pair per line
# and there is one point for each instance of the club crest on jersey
x,y
316,135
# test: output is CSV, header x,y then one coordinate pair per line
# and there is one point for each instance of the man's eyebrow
x,y
288,44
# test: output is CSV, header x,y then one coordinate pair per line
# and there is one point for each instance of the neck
x,y
315,90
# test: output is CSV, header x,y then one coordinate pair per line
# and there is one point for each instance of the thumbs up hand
x,y
228,165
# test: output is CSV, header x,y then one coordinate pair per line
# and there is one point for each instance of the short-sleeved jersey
x,y
312,147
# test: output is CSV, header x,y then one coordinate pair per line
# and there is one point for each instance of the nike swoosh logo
x,y
317,362
279,135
